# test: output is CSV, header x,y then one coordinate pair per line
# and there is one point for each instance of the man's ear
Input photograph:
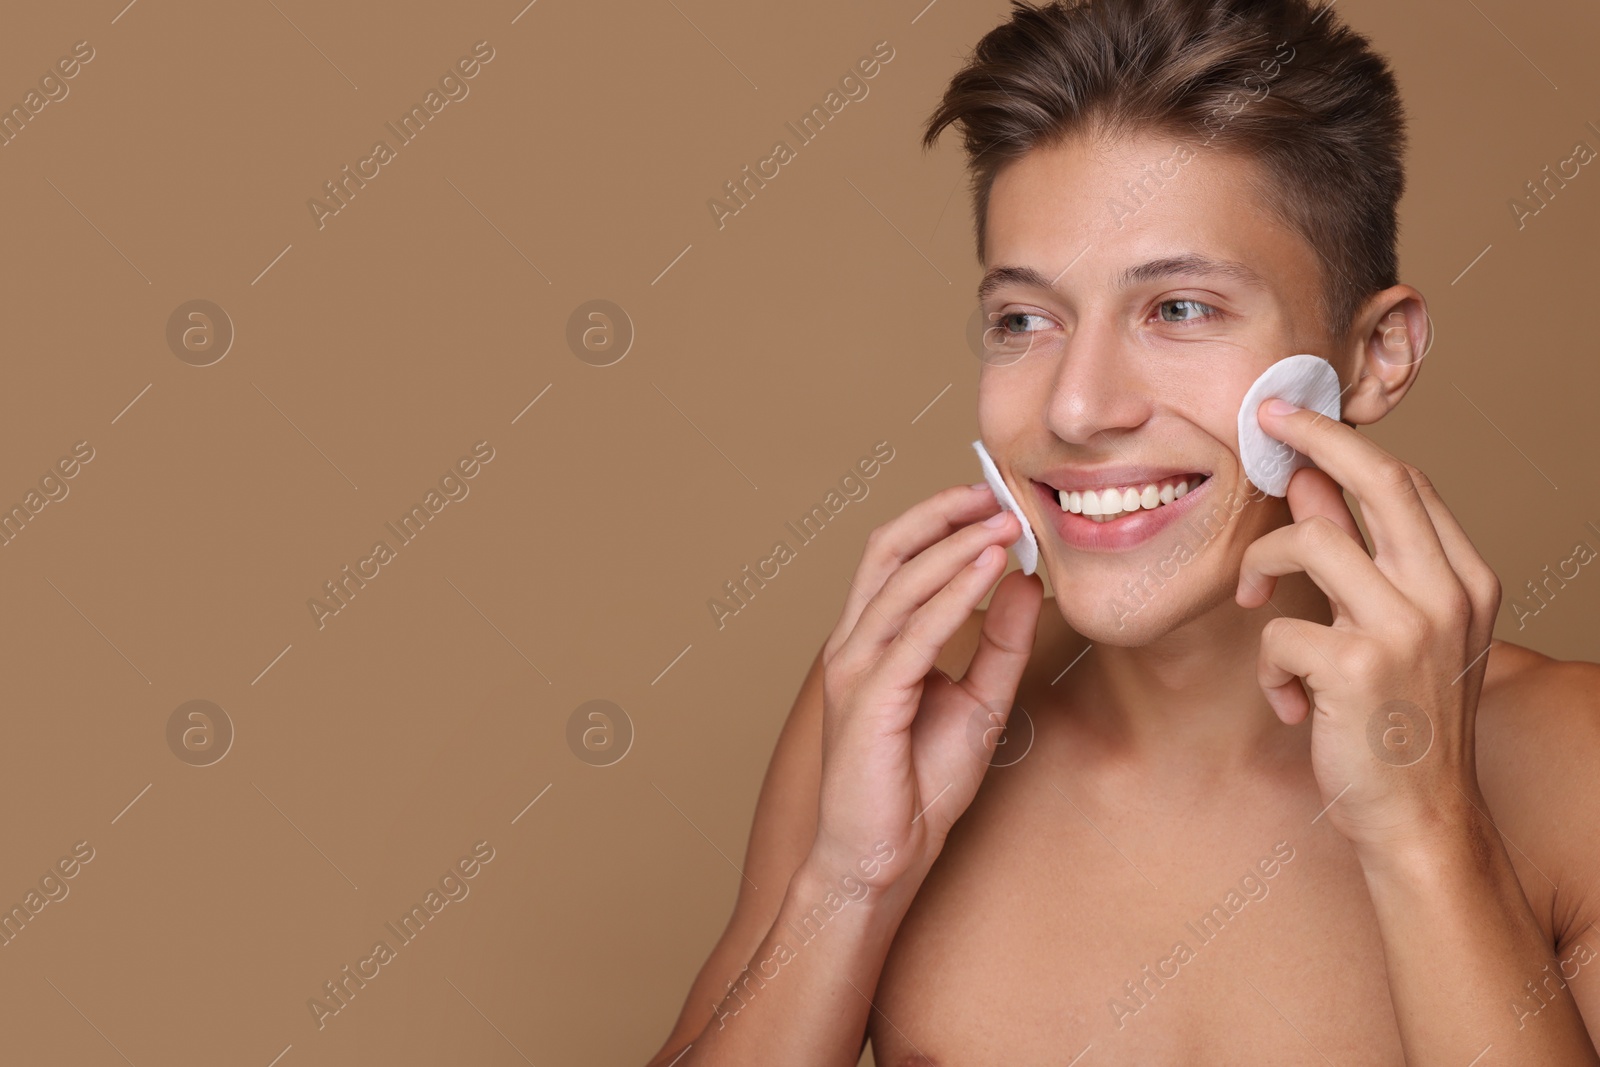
x,y
1385,348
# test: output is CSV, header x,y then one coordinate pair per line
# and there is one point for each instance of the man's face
x,y
1135,381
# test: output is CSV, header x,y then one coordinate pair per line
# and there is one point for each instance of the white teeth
x,y
1102,505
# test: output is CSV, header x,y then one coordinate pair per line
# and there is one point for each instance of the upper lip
x,y
1077,479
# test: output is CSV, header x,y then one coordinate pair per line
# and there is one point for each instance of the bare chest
x,y
1061,929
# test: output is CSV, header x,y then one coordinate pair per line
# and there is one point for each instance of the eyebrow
x,y
1184,263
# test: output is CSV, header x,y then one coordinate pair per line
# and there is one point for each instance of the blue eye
x,y
1016,315
1187,304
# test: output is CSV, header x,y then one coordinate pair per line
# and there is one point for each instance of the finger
x,y
890,545
1403,537
1313,492
908,658
919,579
1293,649
1478,579
1339,566
1005,644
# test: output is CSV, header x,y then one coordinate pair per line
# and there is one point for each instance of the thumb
x,y
1006,641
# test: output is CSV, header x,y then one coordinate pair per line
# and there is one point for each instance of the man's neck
x,y
1187,709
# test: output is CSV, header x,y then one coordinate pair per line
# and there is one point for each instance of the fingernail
x,y
982,486
997,519
1279,406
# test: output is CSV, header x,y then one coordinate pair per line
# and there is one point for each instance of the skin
x,y
1391,903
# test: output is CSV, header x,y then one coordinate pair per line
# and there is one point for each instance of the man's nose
x,y
1099,384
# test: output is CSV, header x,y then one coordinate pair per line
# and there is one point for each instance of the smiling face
x,y
1145,311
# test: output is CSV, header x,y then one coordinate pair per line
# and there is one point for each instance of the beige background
x,y
374,352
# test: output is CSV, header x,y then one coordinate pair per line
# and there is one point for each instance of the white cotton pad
x,y
1306,381
1026,548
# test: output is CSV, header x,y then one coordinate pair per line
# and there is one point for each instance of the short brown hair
x,y
1328,133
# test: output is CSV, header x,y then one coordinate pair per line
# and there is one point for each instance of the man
x,y
1282,799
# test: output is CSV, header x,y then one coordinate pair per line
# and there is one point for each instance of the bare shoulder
x,y
1538,750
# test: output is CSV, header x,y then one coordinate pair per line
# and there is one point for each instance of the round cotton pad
x,y
1306,381
1026,548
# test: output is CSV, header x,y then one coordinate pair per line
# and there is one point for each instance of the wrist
x,y
862,885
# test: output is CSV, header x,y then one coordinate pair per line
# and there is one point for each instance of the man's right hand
x,y
904,747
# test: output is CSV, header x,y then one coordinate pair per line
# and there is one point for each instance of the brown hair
x,y
1327,133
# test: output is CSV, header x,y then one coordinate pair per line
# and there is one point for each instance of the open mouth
x,y
1104,504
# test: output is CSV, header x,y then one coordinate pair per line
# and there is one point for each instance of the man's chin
x,y
1114,613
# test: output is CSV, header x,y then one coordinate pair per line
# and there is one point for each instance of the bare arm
x,y
834,844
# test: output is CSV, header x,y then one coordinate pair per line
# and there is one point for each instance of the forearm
x,y
1468,965
803,997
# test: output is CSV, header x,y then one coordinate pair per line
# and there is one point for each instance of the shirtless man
x,y
1280,796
